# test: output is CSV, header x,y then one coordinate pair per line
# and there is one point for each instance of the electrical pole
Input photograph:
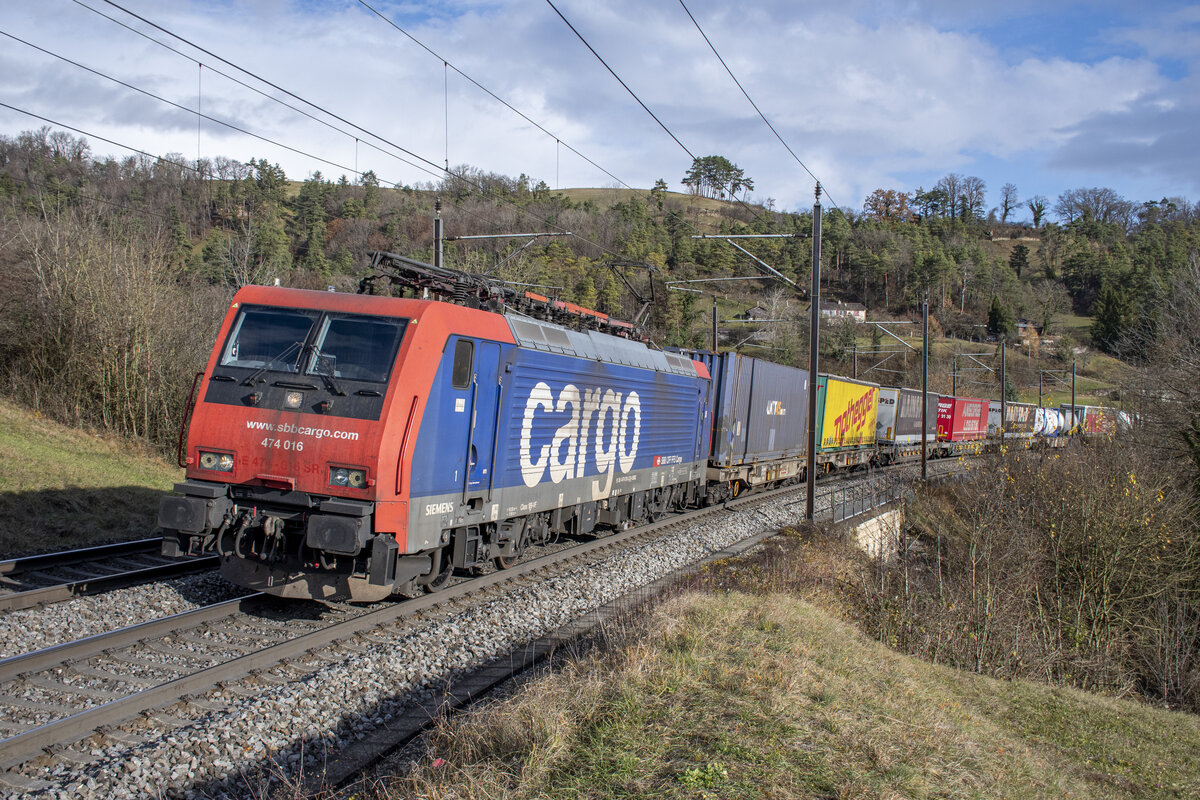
x,y
437,233
924,386
1003,399
1074,413
714,323
814,332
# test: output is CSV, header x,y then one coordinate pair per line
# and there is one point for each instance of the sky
x,y
1047,95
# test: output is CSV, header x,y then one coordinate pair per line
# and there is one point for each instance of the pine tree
x,y
1114,318
1018,259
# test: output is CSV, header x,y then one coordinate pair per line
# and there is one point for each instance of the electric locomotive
x,y
351,447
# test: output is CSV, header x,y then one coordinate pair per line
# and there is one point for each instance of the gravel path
x,y
284,724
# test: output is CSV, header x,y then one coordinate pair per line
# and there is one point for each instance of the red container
x,y
962,419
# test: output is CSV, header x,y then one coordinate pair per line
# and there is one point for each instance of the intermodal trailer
x,y
1096,420
846,413
1020,420
962,423
898,423
760,422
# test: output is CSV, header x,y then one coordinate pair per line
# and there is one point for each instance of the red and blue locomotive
x,y
351,447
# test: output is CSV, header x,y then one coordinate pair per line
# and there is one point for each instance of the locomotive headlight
x,y
352,478
218,462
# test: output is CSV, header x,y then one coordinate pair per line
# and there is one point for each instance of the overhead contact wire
x,y
440,169
175,105
279,88
618,77
245,85
751,100
490,93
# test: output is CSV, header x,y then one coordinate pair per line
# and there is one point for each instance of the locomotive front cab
x,y
283,469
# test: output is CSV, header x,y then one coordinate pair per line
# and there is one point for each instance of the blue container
x,y
760,410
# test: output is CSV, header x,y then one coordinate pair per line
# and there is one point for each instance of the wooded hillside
x,y
116,272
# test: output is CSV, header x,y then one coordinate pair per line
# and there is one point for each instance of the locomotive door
x,y
485,408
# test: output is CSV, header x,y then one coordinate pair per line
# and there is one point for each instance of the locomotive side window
x,y
464,356
268,338
358,348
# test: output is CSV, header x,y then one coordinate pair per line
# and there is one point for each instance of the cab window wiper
x,y
253,377
331,383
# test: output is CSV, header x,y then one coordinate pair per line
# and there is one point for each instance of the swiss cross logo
x,y
658,461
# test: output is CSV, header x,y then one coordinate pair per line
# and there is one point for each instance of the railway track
x,y
54,577
116,687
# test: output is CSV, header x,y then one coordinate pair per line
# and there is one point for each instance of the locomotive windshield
x,y
350,346
356,348
269,338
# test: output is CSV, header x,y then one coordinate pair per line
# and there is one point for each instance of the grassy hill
x,y
728,691
61,487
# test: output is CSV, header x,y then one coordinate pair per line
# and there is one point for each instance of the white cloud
x,y
864,93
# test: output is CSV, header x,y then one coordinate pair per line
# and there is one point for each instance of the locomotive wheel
x,y
442,579
506,562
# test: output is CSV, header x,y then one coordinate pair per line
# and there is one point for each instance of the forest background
x,y
114,274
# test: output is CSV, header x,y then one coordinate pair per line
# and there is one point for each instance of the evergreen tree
x,y
1018,259
1000,319
1114,318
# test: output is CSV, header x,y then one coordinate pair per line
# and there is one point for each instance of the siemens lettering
x,y
607,423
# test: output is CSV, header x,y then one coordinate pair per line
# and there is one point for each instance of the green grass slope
x,y
61,487
744,695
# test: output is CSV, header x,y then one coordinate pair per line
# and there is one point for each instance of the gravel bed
x,y
278,731
34,628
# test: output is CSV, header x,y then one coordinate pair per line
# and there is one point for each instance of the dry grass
x,y
62,487
724,692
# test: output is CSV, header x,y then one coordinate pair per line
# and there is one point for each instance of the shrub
x,y
1077,567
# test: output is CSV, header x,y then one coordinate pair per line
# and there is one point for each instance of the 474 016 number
x,y
283,444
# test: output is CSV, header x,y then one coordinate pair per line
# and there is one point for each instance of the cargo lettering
x,y
854,416
603,423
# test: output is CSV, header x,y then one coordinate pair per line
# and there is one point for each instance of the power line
x,y
440,170
246,85
275,86
158,159
173,104
618,77
751,100
82,132
732,193
447,64
132,87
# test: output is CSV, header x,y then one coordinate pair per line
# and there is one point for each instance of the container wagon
x,y
1020,421
898,424
846,414
962,424
759,423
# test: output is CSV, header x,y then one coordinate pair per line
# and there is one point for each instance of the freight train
x,y
353,447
